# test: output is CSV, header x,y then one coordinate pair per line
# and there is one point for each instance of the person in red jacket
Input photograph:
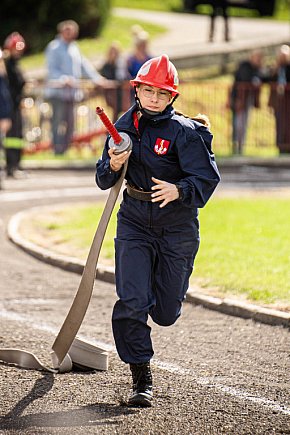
x,y
171,173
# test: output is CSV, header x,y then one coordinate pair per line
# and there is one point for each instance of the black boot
x,y
142,385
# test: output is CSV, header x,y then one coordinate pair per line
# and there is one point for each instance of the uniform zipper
x,y
146,175
150,205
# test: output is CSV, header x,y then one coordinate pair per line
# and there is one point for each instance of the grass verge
x,y
244,249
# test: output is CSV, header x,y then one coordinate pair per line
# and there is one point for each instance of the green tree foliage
x,y
36,20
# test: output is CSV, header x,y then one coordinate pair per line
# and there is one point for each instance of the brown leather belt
x,y
138,194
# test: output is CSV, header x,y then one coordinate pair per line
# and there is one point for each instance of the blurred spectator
x,y
5,101
5,111
14,47
219,8
140,51
245,94
139,55
66,66
280,98
114,68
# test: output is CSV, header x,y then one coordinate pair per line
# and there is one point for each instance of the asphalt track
x,y
213,373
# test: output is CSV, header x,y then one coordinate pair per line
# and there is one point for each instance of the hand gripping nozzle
x,y
120,141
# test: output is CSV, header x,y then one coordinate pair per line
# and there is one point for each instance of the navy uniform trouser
x,y
153,266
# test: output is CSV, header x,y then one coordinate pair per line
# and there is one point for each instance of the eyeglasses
x,y
161,94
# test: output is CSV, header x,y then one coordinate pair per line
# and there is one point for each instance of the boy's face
x,y
152,98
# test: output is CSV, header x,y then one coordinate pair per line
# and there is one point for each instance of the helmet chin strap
x,y
150,114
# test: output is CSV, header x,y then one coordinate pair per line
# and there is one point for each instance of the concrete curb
x,y
70,264
105,273
240,309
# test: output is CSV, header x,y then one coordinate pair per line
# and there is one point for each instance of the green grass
x,y
165,5
245,248
71,229
244,245
94,48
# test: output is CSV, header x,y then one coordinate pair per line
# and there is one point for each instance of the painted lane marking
x,y
172,368
32,301
234,392
9,315
50,193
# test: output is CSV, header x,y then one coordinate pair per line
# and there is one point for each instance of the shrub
x,y
36,20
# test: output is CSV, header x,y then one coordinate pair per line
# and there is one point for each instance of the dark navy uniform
x,y
155,247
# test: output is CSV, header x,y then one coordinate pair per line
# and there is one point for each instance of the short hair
x,y
67,23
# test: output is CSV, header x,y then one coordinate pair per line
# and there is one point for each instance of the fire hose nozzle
x,y
120,141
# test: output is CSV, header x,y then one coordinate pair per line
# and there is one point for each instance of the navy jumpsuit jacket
x,y
155,247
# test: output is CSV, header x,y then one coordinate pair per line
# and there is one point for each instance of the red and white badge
x,y
161,146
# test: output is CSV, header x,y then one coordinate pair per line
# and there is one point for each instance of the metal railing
x,y
205,97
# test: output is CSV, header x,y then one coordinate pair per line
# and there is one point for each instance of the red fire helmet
x,y
14,41
158,72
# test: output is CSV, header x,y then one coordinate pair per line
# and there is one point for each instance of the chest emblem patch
x,y
161,146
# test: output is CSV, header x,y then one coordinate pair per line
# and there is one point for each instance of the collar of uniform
x,y
125,122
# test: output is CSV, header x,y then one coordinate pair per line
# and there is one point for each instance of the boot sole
x,y
141,401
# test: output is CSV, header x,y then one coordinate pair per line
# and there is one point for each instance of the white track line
x,y
235,392
47,328
172,368
49,193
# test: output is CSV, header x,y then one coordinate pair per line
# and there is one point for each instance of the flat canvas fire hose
x,y
67,350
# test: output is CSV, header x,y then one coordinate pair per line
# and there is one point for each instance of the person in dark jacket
x,y
245,94
219,7
14,47
5,101
279,99
171,173
115,69
5,111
